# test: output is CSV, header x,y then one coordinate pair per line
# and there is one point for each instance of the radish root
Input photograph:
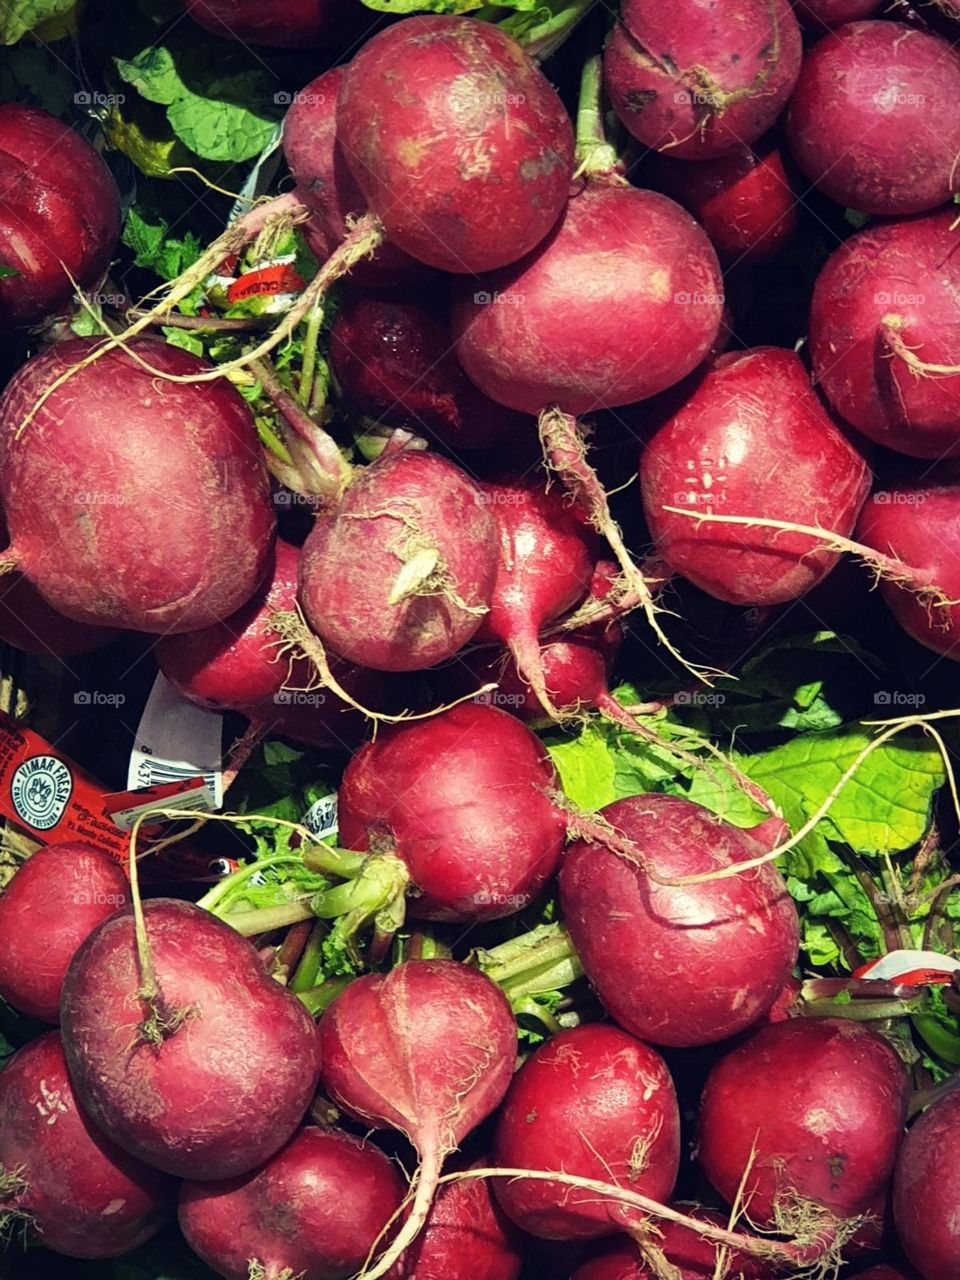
x,y
565,453
891,327
424,1188
884,567
817,1243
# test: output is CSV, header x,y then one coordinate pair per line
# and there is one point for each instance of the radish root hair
x,y
297,640
891,326
565,454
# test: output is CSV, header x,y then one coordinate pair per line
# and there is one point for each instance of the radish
x,y
467,799
742,199
427,1049
885,334
392,359
547,557
874,121
71,1189
697,82
326,186
467,1236
314,1210
181,1047
885,1272
592,1102
678,965
29,624
817,14
458,142
927,1189
54,901
811,1109
399,576
59,215
235,665
283,24
751,440
163,526
622,301
919,526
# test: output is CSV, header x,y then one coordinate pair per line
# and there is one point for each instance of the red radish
x,y
55,900
885,334
283,24
594,1102
399,575
466,800
822,1101
467,1236
874,121
427,1049
29,624
927,1191
919,525
392,359
314,1210
205,1076
817,14
73,1190
236,665
59,215
535,335
163,526
751,440
696,82
548,552
685,965
743,199
459,143
326,185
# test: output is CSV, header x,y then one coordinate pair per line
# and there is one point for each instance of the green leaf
x,y
8,273
33,74
884,808
185,339
153,73
587,767
155,249
50,19
225,127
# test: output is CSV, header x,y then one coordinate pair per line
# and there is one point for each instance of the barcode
x,y
153,773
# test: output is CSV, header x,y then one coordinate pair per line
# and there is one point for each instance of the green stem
x,y
307,972
595,157
266,919
317,999
532,964
238,878
308,369
860,1010
327,860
